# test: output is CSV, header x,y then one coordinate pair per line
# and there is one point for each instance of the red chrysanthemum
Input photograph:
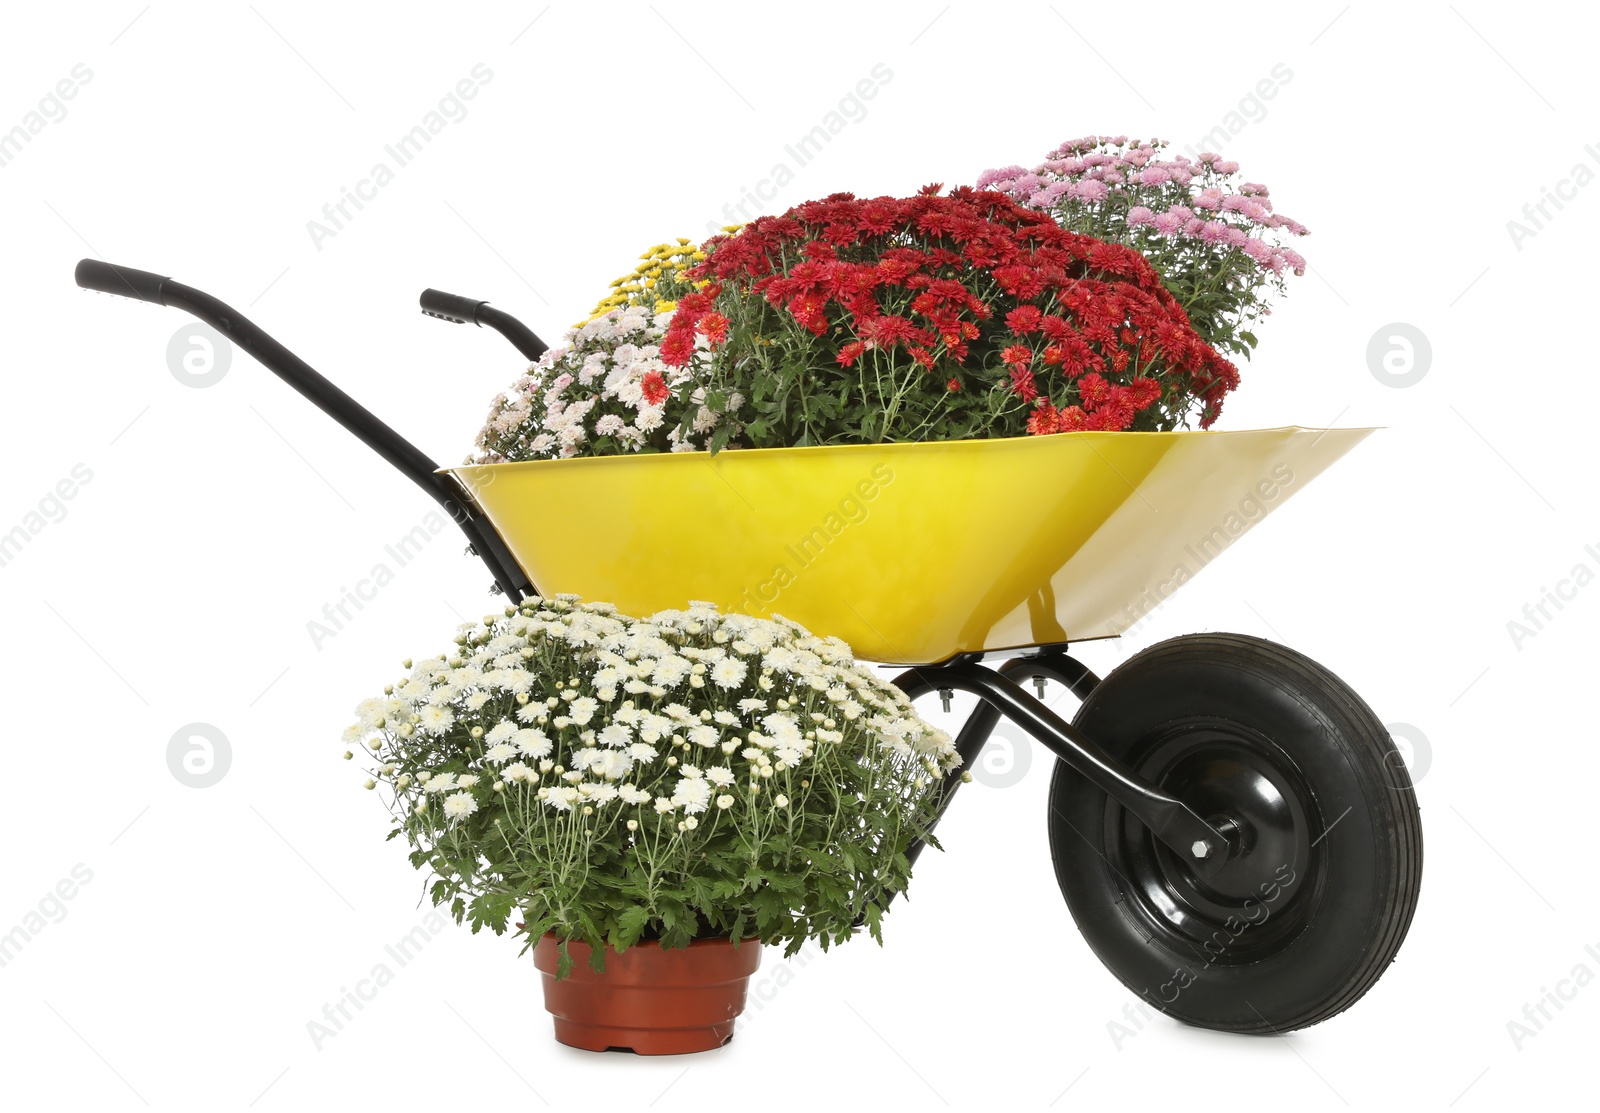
x,y
654,388
1023,384
850,353
1024,319
714,327
1017,355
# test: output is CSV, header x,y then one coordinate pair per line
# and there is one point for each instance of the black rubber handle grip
x,y
454,307
93,274
450,307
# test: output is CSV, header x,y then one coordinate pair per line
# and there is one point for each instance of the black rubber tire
x,y
1238,726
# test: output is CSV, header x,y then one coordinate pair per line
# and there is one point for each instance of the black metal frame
x,y
1205,847
1189,835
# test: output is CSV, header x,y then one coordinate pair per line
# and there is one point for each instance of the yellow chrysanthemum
x,y
657,282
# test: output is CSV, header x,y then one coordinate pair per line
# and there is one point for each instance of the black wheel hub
x,y
1250,789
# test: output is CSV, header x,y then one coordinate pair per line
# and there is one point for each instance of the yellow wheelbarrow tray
x,y
1232,827
913,552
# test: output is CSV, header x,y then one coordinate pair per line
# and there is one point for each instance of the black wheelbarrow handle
x,y
454,307
410,461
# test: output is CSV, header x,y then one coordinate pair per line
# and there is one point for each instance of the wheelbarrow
x,y
1232,827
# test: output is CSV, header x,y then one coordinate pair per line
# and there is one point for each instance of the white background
x,y
219,521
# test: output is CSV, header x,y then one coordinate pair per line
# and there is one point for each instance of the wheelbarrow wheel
x,y
1326,858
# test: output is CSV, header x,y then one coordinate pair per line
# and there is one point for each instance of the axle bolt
x,y
1038,686
1200,849
944,698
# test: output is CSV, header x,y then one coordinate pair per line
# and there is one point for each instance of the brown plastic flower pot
x,y
649,1000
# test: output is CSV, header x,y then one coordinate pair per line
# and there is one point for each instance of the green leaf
x,y
630,926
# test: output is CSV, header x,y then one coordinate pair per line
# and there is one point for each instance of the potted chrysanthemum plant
x,y
651,800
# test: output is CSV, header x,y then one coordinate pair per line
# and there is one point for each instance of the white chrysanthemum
x,y
653,728
729,673
670,671
467,780
532,742
596,793
663,805
724,801
726,718
559,797
436,719
782,725
720,775
500,754
503,731
615,764
692,794
750,706
582,710
371,712
632,794
615,735
442,782
642,751
517,771
704,736
459,806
